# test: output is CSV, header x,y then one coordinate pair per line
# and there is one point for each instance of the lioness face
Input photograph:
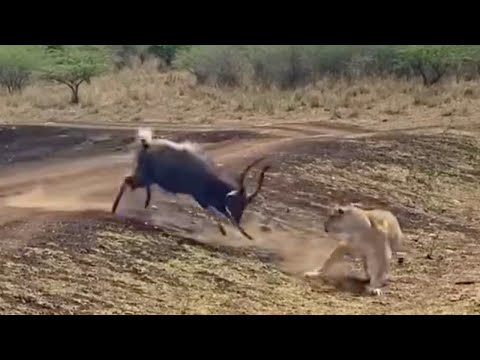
x,y
346,220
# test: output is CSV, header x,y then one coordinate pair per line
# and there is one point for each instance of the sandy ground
x,y
61,251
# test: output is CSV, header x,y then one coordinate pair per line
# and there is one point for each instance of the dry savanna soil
x,y
63,252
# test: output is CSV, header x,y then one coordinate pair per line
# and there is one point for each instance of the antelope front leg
x,y
243,232
211,214
230,217
239,228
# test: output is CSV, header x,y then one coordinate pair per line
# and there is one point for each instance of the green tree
x,y
432,62
73,65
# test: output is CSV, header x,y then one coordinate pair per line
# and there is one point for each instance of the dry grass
x,y
144,94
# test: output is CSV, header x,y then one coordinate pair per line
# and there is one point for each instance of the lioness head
x,y
347,220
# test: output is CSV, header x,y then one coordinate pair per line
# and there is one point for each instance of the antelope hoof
x,y
248,236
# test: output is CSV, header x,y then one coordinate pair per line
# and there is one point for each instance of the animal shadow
x,y
351,283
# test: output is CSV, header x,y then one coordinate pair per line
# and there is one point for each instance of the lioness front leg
x,y
377,270
365,268
339,252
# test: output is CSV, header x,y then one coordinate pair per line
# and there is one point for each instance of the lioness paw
x,y
375,291
314,273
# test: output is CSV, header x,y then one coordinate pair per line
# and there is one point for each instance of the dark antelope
x,y
183,168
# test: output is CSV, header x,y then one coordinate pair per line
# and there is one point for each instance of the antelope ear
x,y
234,205
232,193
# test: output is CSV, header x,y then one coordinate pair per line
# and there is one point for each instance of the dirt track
x,y
56,189
79,173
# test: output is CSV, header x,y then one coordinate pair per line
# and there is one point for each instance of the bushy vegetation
x,y
17,64
72,65
266,66
126,55
291,66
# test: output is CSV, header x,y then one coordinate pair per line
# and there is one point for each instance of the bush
x,y
281,66
222,65
125,55
292,66
166,53
284,66
17,63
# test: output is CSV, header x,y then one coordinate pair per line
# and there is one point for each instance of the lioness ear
x,y
333,210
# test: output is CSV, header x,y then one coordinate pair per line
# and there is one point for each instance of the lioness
x,y
372,235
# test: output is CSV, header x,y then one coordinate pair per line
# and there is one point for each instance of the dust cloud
x,y
41,198
295,250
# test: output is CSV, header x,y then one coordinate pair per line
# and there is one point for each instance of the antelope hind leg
x,y
119,196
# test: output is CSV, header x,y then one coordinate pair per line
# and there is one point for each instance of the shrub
x,y
166,53
292,66
125,55
17,64
222,65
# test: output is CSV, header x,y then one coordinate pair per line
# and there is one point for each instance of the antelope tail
x,y
145,135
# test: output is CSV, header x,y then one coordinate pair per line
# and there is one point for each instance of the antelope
x,y
183,168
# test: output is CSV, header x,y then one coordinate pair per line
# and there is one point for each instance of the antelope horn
x,y
259,184
245,171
